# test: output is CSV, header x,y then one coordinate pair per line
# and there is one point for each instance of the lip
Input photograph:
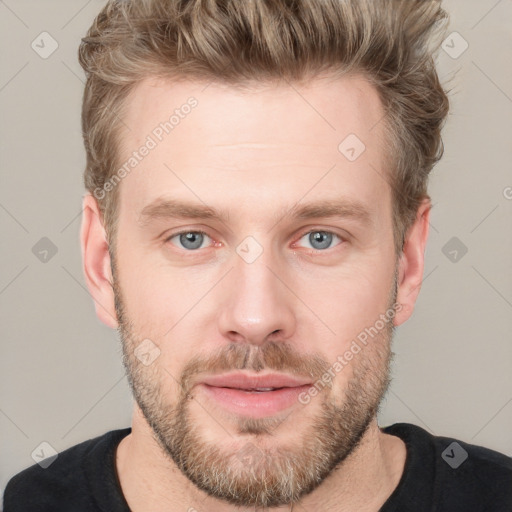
x,y
251,381
254,404
232,392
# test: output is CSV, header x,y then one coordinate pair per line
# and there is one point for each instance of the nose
x,y
256,304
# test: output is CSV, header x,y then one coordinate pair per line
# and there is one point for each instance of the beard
x,y
255,470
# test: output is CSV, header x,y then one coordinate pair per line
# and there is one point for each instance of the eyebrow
x,y
165,208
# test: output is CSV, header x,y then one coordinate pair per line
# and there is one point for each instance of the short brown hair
x,y
391,42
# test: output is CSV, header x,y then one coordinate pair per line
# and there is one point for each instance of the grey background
x,y
61,375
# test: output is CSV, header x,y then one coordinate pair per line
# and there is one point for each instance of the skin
x,y
255,154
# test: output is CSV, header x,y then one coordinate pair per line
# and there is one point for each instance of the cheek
x,y
351,300
151,294
149,303
350,306
165,308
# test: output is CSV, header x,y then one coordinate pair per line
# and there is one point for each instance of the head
x,y
277,223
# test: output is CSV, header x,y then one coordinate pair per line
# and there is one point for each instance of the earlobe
x,y
411,263
96,262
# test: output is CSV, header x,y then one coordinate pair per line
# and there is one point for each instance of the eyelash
x,y
311,251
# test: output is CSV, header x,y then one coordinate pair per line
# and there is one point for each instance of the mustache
x,y
276,356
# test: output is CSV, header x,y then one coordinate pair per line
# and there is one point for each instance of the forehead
x,y
329,106
219,141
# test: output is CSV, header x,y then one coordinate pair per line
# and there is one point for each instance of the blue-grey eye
x,y
189,240
320,240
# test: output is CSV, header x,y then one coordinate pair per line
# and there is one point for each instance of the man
x,y
255,227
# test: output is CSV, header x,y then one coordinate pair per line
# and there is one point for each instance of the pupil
x,y
191,240
321,238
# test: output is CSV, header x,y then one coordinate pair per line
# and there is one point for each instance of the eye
x,y
320,240
189,240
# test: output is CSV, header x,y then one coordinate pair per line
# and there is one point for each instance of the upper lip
x,y
246,381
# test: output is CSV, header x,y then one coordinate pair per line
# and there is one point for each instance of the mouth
x,y
256,390
254,396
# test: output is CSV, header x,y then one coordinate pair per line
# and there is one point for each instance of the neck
x,y
363,481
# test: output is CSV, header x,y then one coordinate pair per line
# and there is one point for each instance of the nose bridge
x,y
258,302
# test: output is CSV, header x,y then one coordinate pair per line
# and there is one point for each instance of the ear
x,y
411,264
96,262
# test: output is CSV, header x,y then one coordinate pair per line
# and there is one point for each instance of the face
x,y
290,268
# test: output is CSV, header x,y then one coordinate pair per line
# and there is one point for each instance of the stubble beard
x,y
254,470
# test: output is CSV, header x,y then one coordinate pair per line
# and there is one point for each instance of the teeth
x,y
259,389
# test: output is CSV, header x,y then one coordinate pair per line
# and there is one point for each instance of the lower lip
x,y
253,403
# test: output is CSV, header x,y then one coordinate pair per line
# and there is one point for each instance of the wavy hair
x,y
391,42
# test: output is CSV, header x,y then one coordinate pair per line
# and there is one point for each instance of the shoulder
x,y
62,483
464,474
480,476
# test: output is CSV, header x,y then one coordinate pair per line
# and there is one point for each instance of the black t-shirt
x,y
441,474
